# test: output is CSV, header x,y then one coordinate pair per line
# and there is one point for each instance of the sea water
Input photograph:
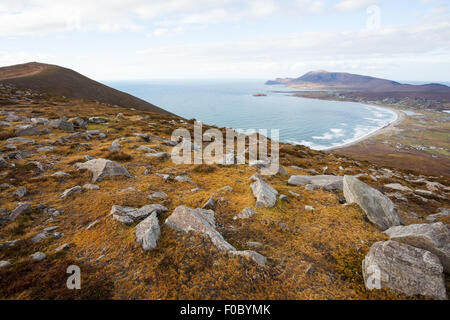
x,y
318,124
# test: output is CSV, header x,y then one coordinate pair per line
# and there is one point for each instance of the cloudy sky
x,y
147,39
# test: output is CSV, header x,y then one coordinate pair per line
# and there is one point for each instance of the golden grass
x,y
333,238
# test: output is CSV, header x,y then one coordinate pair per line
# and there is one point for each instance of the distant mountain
x,y
323,80
59,81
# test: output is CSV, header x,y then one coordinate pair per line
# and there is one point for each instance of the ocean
x,y
317,124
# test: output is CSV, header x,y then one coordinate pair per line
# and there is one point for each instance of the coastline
x,y
388,127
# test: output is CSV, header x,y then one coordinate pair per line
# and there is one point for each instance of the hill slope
x,y
59,81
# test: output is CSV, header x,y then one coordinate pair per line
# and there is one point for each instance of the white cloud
x,y
351,5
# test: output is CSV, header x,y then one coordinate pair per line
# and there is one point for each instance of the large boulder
x,y
198,220
327,182
147,232
265,195
431,237
129,215
103,168
401,267
379,209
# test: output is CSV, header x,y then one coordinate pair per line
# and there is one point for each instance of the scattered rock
x,y
19,210
102,168
245,214
255,256
71,191
265,195
197,220
38,256
61,174
4,264
157,155
226,188
424,193
254,244
404,268
295,194
21,140
147,232
326,182
89,186
379,209
45,149
21,192
283,197
61,124
29,130
129,215
183,179
158,195
146,149
91,225
115,146
210,204
310,269
309,208
63,247
98,120
431,237
397,187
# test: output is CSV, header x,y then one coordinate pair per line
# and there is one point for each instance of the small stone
x,y
245,214
4,264
38,256
21,192
63,247
89,186
71,191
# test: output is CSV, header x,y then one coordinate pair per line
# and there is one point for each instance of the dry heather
x,y
333,238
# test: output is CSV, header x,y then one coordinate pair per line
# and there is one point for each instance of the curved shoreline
x,y
388,127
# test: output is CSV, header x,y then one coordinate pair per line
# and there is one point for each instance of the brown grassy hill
x,y
59,81
312,254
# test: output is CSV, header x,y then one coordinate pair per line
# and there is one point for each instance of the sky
x,y
402,40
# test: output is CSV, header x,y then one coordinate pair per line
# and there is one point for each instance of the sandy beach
x,y
389,127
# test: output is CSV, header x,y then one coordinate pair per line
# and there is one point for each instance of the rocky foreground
x,y
89,184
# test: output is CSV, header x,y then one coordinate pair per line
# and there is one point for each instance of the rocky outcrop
x,y
431,237
401,267
265,195
379,209
129,215
326,182
102,168
202,221
147,232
